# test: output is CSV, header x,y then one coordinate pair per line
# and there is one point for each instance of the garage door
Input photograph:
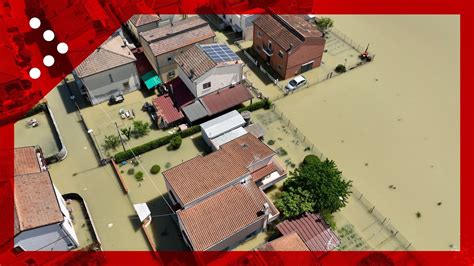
x,y
306,67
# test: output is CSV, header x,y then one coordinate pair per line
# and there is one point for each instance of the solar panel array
x,y
220,53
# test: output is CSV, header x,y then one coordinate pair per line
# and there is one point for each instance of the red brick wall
x,y
311,50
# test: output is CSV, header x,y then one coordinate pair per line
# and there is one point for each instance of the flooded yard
x,y
43,135
101,118
392,126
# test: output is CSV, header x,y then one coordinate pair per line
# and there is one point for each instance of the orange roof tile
x,y
291,242
224,214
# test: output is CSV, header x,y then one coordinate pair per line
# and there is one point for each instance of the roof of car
x,y
299,78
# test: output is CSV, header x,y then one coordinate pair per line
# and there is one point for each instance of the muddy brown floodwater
x,y
393,126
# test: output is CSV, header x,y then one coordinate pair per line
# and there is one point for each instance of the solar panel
x,y
219,53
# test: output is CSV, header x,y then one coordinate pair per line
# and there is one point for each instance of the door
x,y
306,67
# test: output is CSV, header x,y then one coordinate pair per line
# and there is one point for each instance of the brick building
x,y
289,43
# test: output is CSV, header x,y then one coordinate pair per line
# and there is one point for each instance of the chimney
x,y
266,212
191,74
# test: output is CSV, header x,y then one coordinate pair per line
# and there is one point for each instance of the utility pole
x,y
120,136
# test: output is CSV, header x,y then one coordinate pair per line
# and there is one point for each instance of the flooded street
x,y
395,122
80,173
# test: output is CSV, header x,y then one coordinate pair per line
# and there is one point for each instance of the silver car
x,y
295,83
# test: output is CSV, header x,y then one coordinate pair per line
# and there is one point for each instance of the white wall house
x,y
206,68
242,23
109,70
41,218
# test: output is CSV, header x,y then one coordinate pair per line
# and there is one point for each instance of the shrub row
x,y
36,109
128,154
265,104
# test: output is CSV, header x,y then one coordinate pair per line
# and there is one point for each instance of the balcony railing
x,y
267,51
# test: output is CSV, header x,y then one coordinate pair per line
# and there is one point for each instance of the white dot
x,y
35,23
48,60
35,73
48,35
62,48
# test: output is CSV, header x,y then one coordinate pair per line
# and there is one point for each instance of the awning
x,y
151,80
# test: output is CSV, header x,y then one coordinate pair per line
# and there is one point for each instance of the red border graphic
x,y
84,24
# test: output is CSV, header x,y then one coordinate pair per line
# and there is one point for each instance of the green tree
x,y
140,128
175,142
324,23
139,176
111,142
315,186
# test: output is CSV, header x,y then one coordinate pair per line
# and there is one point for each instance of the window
x,y
171,74
206,85
110,77
169,59
126,86
259,33
269,45
17,250
280,54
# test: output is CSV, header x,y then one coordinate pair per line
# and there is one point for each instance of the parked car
x,y
295,83
116,99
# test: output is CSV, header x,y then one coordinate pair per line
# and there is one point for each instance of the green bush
x,y
256,106
139,176
155,169
131,171
128,154
311,159
340,69
175,142
271,142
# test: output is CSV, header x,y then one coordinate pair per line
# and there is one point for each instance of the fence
x,y
343,37
62,153
382,220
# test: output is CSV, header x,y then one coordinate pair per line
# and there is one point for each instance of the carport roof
x,y
195,111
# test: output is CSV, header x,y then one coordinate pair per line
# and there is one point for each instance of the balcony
x,y
267,50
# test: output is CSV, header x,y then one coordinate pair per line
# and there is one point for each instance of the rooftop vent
x,y
244,145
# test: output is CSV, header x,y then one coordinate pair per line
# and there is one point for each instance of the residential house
x,y
313,230
109,70
144,22
162,44
220,202
242,23
289,242
41,220
288,43
213,74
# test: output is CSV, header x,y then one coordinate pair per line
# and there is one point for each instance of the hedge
x,y
128,154
265,104
41,107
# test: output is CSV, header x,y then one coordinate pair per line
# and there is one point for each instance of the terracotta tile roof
x,y
225,99
202,175
194,62
26,161
36,204
290,242
287,30
247,149
167,109
223,215
314,231
143,19
263,172
183,33
112,53
35,200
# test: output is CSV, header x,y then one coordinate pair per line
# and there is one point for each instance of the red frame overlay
x,y
85,24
